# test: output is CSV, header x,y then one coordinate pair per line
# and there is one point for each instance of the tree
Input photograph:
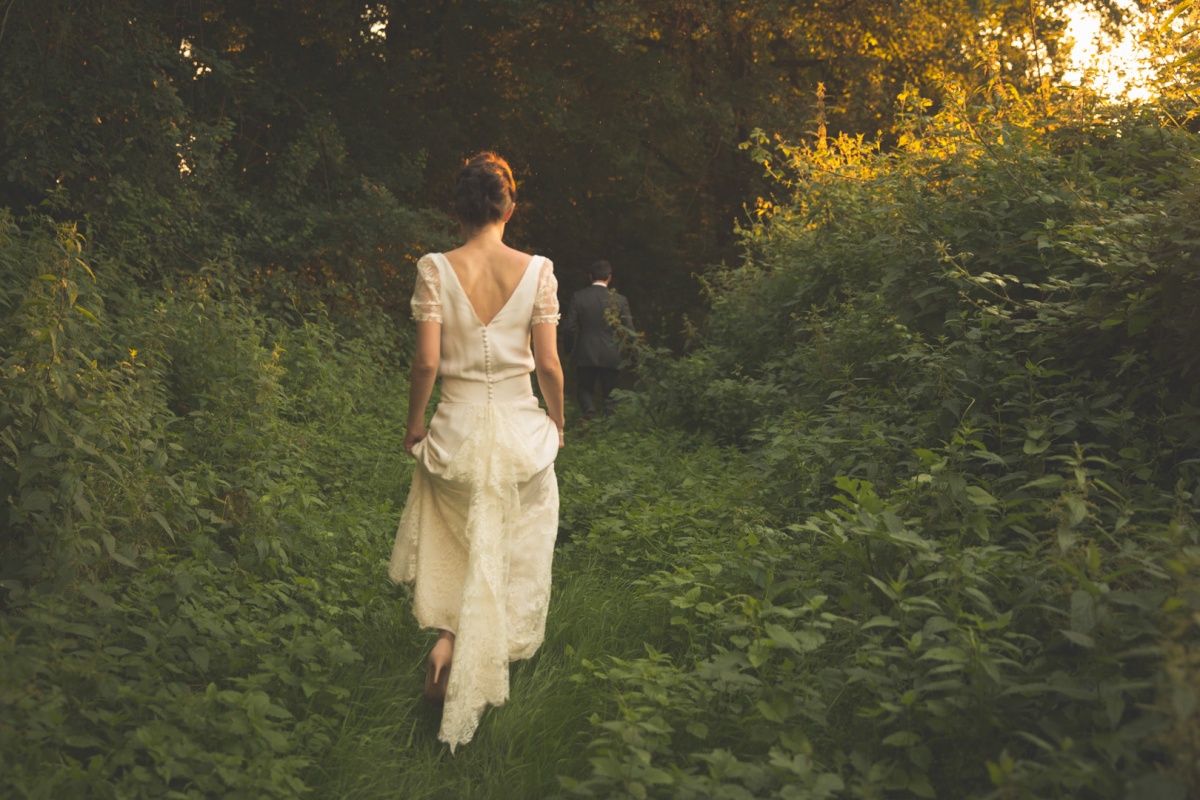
x,y
306,135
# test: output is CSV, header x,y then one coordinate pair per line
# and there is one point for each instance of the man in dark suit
x,y
596,354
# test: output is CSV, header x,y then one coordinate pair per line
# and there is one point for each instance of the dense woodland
x,y
318,136
900,501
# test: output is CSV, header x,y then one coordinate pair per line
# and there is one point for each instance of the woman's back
x,y
487,301
488,276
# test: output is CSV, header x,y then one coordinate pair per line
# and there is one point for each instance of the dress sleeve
x,y
545,303
427,294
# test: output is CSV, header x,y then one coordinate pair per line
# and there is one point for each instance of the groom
x,y
596,354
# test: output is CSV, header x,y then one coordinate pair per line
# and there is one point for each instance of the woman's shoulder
x,y
428,264
521,257
518,263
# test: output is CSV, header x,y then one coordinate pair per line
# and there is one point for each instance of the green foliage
x,y
916,515
193,491
959,373
184,136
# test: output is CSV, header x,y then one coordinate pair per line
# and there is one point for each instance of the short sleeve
x,y
545,303
427,294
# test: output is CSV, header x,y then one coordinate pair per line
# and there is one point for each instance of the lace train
x,y
483,525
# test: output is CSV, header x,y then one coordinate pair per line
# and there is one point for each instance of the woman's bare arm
x,y
425,364
549,371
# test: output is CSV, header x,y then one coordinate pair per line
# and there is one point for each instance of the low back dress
x,y
477,534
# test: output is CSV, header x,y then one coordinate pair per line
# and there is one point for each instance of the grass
x,y
387,746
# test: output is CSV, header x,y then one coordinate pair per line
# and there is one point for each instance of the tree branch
x,y
4,22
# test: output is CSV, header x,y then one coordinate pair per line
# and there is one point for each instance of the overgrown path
x,y
387,746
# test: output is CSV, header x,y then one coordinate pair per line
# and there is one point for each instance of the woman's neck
x,y
488,236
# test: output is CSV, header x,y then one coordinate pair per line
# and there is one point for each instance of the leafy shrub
x,y
959,382
192,493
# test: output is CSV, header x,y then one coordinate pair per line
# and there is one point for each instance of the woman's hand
x,y
561,425
416,434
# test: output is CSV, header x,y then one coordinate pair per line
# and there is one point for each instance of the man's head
x,y
600,271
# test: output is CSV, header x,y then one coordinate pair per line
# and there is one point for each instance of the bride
x,y
477,533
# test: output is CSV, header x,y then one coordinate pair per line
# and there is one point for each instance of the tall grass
x,y
387,746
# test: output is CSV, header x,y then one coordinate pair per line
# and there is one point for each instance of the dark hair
x,y
484,190
600,271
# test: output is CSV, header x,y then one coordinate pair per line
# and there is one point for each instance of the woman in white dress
x,y
477,534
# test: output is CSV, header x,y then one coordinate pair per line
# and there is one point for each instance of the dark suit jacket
x,y
586,324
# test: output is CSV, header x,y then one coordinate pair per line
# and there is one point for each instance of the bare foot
x,y
438,676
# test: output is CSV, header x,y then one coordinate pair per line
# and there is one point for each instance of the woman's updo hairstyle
x,y
484,190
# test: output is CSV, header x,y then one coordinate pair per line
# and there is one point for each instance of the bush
x,y
962,387
192,493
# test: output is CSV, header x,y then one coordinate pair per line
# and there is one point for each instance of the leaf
x,y
980,497
257,703
103,601
883,587
200,657
902,739
1179,9
277,740
110,547
803,641
1184,60
827,784
37,501
81,629
1083,611
1081,639
936,624
1048,482
1077,508
951,654
161,520
774,710
83,506
1033,447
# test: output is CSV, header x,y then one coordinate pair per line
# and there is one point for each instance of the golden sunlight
x,y
1116,67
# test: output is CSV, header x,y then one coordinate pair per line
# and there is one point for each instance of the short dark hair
x,y
600,271
484,190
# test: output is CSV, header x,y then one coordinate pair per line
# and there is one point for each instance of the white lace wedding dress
x,y
477,534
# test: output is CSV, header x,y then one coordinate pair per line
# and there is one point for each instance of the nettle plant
x,y
181,562
959,368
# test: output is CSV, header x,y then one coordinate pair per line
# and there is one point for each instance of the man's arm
x,y
626,317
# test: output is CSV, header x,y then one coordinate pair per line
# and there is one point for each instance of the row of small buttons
x,y
487,364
